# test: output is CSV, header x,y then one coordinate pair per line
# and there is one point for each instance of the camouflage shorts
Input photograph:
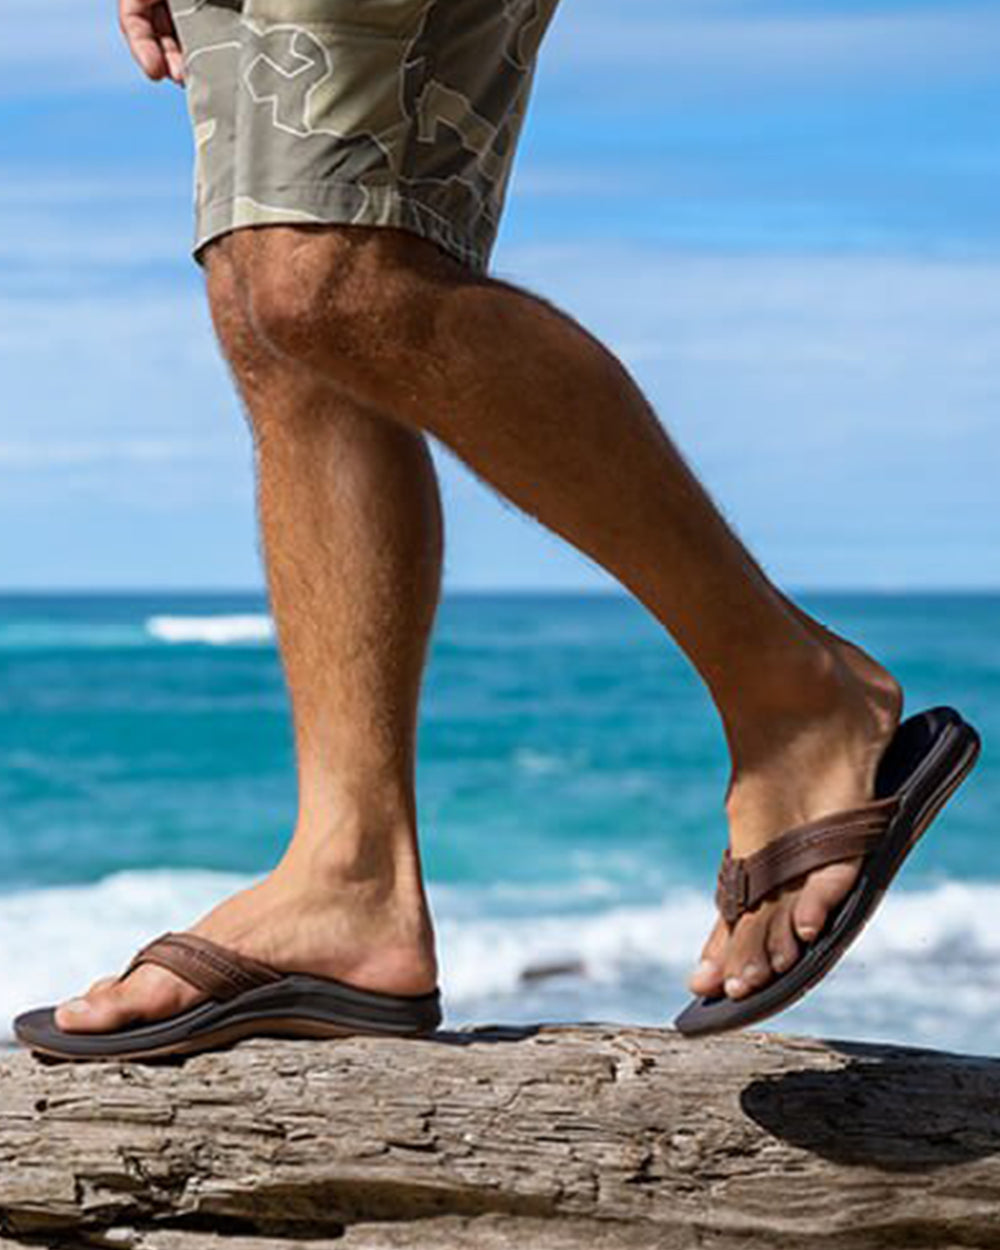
x,y
372,112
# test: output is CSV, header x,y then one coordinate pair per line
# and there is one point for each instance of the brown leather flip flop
x,y
247,999
929,757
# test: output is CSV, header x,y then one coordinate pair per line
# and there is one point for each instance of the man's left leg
x,y
547,416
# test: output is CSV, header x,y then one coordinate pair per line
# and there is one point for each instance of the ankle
x,y
364,857
782,691
819,740
366,932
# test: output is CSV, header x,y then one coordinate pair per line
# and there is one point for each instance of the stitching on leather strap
x,y
873,818
220,973
220,967
744,883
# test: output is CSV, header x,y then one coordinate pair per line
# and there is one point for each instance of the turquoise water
x,y
571,773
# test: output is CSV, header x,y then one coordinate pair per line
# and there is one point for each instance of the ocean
x,y
571,775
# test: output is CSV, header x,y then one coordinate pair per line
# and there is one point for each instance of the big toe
x,y
820,894
147,994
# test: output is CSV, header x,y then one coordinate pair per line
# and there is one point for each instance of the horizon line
x,y
594,592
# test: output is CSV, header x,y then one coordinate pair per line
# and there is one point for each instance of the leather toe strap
x,y
745,883
217,971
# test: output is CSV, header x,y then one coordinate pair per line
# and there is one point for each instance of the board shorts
x,y
400,113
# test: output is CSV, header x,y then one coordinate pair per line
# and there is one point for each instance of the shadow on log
x,y
546,1139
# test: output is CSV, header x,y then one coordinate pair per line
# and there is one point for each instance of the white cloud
x,y
639,51
61,225
116,392
72,190
120,241
28,455
842,409
52,45
738,42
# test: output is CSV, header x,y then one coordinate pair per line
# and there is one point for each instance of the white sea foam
x,y
928,972
217,631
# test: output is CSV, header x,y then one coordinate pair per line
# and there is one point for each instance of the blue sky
x,y
782,215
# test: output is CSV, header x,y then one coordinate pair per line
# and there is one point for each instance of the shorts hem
x,y
337,205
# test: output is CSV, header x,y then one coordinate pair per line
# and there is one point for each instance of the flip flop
x,y
930,755
247,999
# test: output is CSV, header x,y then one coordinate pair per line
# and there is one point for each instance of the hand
x,y
152,38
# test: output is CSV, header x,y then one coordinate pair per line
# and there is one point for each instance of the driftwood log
x,y
546,1139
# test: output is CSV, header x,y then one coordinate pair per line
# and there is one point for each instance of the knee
x,y
335,297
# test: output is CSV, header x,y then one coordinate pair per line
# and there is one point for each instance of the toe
x,y
148,994
76,1014
747,965
85,1014
782,946
707,977
822,891
100,1010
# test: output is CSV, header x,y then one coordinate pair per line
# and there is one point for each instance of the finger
x,y
148,54
166,32
175,60
136,21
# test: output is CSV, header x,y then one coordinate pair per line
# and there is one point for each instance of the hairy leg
x,y
351,528
549,418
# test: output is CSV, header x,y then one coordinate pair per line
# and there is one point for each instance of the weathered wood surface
x,y
549,1140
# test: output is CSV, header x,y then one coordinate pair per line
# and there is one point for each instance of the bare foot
x,y
793,770
296,922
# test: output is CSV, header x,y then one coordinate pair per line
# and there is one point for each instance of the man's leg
x,y
547,416
351,529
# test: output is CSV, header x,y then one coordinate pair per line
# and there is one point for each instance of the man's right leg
x,y
351,527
